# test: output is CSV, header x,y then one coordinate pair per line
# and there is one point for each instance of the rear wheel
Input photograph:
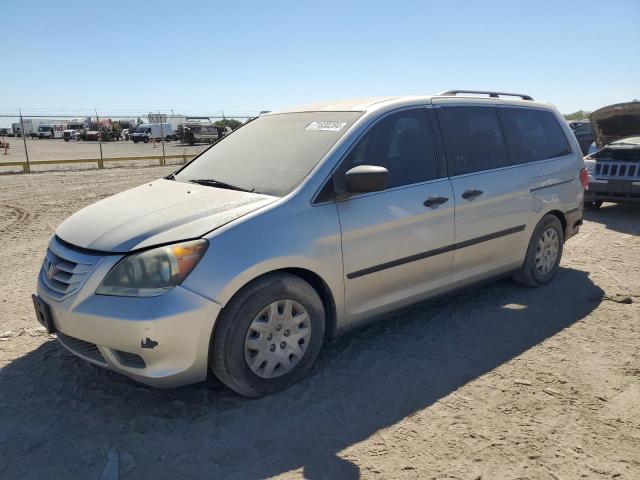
x,y
269,335
543,253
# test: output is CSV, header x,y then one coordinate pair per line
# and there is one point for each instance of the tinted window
x,y
272,154
583,128
473,139
402,144
538,134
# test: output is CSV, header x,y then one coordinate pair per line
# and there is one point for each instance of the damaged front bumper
x,y
159,341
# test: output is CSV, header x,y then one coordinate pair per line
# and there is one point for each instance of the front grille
x,y
80,347
621,170
65,269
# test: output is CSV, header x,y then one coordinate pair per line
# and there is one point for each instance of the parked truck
x,y
201,130
99,130
30,127
127,127
51,130
152,131
75,128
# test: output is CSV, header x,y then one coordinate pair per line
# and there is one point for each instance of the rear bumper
x,y
613,191
574,220
159,341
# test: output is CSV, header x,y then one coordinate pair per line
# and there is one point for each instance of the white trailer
x,y
30,126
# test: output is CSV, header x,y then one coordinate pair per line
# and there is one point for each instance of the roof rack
x,y
482,92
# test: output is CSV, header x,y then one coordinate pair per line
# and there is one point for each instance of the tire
x,y
533,272
145,139
229,355
593,205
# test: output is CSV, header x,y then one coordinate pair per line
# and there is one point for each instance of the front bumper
x,y
159,341
612,191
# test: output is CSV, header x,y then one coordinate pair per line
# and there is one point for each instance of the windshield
x,y
272,154
141,129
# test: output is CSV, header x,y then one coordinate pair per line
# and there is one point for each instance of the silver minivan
x,y
306,222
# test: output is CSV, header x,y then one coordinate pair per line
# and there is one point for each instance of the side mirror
x,y
366,178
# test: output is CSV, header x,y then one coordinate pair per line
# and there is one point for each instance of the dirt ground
x,y
498,382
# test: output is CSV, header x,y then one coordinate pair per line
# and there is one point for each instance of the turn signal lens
x,y
153,272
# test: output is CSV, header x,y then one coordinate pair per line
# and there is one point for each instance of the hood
x,y
159,212
615,122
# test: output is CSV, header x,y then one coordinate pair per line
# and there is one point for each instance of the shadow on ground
x,y
621,217
60,416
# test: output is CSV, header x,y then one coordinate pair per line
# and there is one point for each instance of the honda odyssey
x,y
306,222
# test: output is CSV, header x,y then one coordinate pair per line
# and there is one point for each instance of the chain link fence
x,y
32,142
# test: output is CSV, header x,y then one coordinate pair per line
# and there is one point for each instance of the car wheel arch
x,y
312,278
560,216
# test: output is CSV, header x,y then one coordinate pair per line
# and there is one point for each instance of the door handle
x,y
431,201
471,194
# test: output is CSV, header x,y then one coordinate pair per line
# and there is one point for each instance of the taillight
x,y
584,178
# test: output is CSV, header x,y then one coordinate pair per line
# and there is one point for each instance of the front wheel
x,y
269,335
543,253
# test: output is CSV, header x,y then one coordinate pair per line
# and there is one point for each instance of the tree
x,y
579,115
228,122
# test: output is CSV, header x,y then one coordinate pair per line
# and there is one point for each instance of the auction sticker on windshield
x,y
330,126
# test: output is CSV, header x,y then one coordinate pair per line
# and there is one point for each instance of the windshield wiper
x,y
210,182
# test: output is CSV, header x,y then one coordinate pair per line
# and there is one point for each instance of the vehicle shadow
x,y
621,217
60,416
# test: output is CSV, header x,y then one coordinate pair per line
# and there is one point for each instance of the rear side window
x,y
402,143
473,139
584,128
538,135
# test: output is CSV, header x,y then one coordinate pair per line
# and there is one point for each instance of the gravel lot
x,y
499,382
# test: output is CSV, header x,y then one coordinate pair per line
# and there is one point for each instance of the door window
x,y
401,143
473,139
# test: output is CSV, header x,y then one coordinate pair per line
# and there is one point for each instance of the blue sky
x,y
190,56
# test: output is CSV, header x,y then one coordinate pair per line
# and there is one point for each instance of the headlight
x,y
590,165
153,272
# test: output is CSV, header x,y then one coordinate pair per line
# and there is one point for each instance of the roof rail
x,y
482,92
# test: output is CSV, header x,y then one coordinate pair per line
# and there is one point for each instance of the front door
x,y
397,243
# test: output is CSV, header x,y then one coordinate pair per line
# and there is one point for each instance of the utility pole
x,y
27,168
162,139
100,164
